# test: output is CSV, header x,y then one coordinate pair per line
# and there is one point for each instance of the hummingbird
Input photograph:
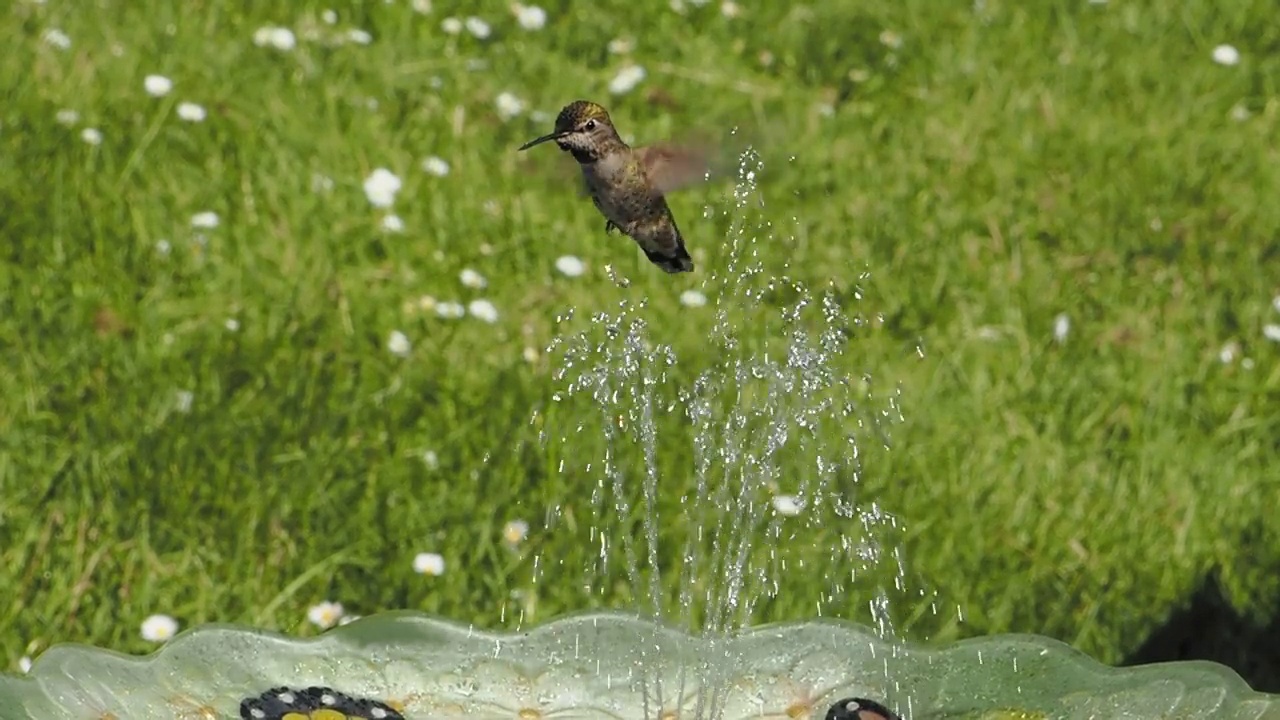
x,y
629,185
860,709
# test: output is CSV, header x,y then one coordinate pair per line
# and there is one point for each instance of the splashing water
x,y
761,475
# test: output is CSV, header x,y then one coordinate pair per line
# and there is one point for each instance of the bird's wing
x,y
672,167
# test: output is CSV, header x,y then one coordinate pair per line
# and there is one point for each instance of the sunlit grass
x,y
238,422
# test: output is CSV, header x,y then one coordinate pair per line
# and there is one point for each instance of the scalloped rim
x,y
1083,673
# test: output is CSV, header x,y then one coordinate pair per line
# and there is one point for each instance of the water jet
x,y
755,415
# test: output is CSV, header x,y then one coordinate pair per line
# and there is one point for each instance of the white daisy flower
x,y
472,279
329,17
483,310
477,27
430,459
398,344
1226,55
890,39
325,615
451,25
626,80
570,266
692,298
93,136
392,224
67,117
359,37
163,247
232,325
381,187
157,85
509,105
282,38
1061,326
514,532
421,6
1228,353
531,17
428,564
183,400
450,310
1271,331
56,38
788,505
207,219
435,166
159,628
191,112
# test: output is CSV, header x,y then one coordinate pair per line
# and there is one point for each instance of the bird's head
x,y
581,128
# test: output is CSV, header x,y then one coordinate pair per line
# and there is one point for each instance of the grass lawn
x,y
208,421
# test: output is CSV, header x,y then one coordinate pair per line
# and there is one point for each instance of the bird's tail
x,y
673,259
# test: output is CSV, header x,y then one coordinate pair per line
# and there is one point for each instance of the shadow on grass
x,y
1210,629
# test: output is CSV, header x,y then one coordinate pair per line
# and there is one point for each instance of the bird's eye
x,y
591,125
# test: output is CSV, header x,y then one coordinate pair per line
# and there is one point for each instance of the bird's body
x,y
620,191
629,185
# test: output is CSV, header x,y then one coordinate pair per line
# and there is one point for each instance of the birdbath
x,y
607,665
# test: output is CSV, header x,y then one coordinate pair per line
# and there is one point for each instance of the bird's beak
x,y
544,138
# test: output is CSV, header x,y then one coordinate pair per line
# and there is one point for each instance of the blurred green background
x,y
209,422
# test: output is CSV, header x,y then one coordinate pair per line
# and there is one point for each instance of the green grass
x,y
1002,166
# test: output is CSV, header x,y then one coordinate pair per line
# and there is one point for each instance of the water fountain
x,y
754,416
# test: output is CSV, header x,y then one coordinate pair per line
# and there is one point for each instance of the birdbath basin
x,y
605,665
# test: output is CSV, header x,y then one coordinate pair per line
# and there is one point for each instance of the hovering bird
x,y
629,185
860,709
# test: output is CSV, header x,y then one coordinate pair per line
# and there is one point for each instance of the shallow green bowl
x,y
613,665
